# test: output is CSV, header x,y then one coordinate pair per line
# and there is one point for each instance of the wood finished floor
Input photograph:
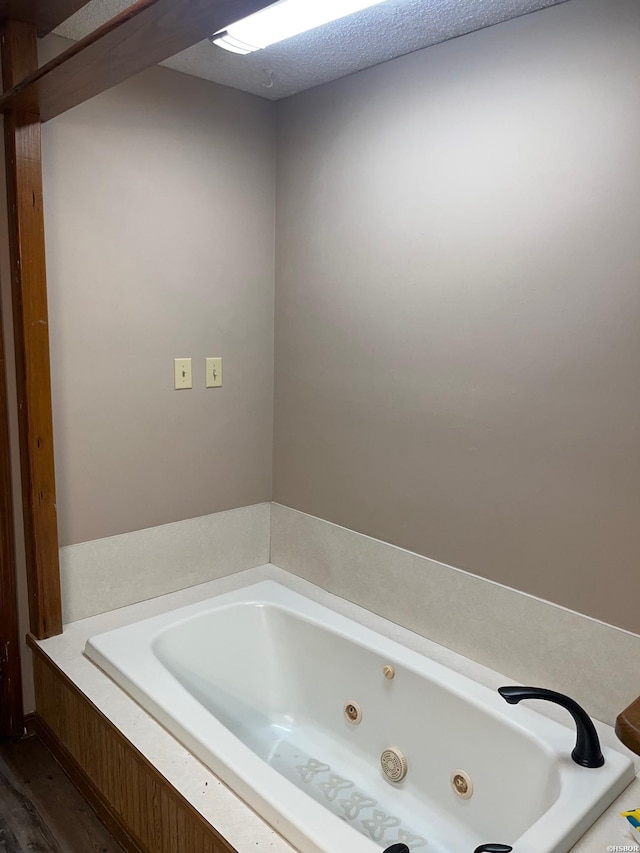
x,y
40,810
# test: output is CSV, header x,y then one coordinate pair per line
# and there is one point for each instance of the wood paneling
x,y
44,14
31,333
141,809
11,711
141,36
40,809
628,727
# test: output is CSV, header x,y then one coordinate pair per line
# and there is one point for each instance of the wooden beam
x,y
46,15
31,333
142,36
11,711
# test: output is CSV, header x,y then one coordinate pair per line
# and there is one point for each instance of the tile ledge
x,y
464,572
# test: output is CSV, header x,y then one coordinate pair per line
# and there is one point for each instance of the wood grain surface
x,y
139,806
40,810
31,336
146,33
628,727
11,711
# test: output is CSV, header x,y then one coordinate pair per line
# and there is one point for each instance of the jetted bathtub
x,y
293,706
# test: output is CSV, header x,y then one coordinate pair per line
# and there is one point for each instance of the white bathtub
x,y
255,683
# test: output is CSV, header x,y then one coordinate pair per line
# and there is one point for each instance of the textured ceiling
x,y
359,41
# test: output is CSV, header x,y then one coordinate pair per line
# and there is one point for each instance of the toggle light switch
x,y
182,373
214,372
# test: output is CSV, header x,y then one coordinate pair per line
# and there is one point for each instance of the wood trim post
x,y
11,710
31,332
628,726
45,14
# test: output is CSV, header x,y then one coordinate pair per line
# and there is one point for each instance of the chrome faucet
x,y
587,751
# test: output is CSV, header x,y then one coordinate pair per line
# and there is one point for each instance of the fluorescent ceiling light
x,y
284,19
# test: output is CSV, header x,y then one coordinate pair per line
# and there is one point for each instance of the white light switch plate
x,y
214,372
182,373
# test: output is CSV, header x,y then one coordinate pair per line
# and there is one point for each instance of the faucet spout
x,y
587,751
493,848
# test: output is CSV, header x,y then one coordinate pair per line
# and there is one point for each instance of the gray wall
x,y
458,309
159,207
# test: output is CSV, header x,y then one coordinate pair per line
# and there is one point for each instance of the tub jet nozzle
x,y
394,764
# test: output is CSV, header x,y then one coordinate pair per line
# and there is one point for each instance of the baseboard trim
x,y
83,783
29,724
140,808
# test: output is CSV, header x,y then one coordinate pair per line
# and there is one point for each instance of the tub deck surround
x,y
238,824
267,716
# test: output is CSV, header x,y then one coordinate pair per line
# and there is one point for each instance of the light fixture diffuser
x,y
282,20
